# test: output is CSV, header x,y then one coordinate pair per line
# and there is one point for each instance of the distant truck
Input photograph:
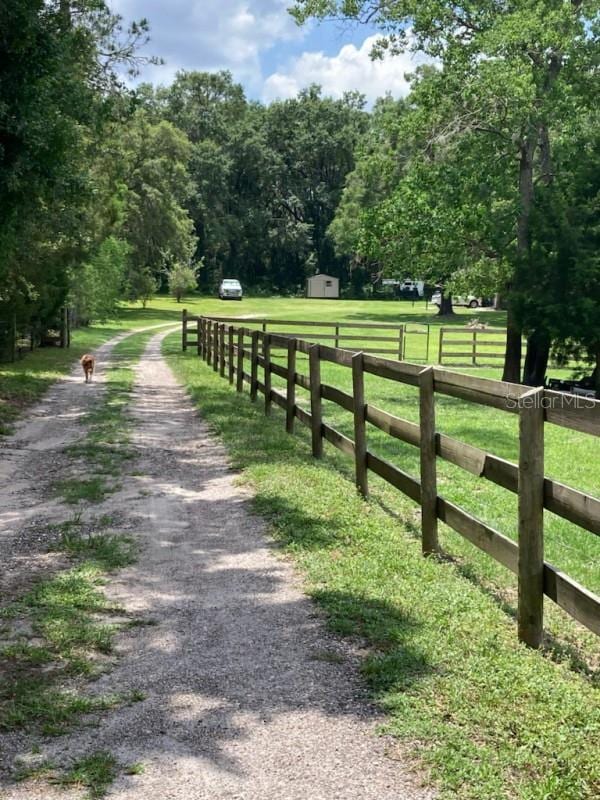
x,y
407,287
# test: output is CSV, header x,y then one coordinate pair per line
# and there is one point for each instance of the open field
x,y
493,720
437,637
414,315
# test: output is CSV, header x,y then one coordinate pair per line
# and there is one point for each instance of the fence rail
x,y
471,345
535,408
393,340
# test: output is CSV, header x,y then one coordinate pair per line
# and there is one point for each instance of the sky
x,y
260,43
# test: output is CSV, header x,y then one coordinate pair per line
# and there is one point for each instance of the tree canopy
x,y
483,179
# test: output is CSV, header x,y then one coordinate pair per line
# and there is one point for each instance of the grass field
x,y
490,719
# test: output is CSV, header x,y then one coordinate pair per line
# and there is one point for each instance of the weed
x,y
78,490
95,772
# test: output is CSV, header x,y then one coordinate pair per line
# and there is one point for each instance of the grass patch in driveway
x,y
488,717
61,629
105,447
95,772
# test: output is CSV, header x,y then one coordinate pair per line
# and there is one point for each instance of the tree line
x,y
487,175
483,180
109,192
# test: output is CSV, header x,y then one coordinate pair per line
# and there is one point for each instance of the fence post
x,y
13,344
215,346
315,400
427,344
267,371
531,518
429,527
360,426
222,349
240,360
401,343
254,367
199,336
208,335
230,353
184,329
337,335
291,386
474,348
441,346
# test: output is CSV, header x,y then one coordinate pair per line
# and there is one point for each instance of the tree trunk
x,y
512,356
536,359
446,306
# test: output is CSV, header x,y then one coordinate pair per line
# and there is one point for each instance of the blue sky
x,y
261,45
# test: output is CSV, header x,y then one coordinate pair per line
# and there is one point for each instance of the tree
x,y
153,166
182,278
512,73
97,285
141,285
58,87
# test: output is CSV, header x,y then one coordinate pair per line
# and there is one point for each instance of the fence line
x,y
471,345
394,342
17,338
535,492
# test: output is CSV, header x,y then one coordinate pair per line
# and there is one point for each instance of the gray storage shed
x,y
323,286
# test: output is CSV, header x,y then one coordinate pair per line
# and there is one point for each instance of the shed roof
x,y
323,275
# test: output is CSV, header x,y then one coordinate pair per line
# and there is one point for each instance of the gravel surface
x,y
30,459
247,696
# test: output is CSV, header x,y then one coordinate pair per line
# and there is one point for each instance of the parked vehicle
x,y
470,301
412,287
230,289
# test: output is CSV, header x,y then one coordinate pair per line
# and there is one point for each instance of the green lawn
x,y
489,718
415,315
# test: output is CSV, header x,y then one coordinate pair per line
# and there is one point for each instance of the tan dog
x,y
88,362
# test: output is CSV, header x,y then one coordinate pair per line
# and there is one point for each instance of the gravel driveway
x,y
247,696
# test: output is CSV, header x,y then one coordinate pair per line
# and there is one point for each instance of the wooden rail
x,y
471,345
535,408
392,341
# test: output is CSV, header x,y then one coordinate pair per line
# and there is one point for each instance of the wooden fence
x,y
225,348
393,340
17,339
472,346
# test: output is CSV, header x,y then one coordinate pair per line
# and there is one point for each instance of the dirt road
x,y
246,694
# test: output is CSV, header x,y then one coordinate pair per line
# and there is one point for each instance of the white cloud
x,y
352,68
212,34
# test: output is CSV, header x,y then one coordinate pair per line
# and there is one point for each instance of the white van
x,y
230,289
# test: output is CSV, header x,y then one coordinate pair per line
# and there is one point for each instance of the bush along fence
x,y
17,338
240,354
